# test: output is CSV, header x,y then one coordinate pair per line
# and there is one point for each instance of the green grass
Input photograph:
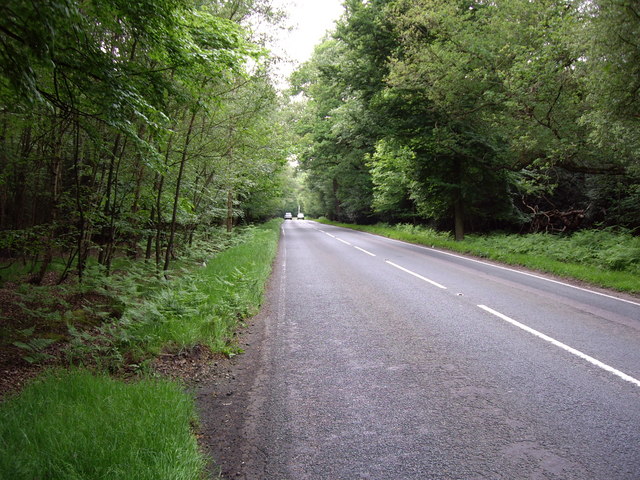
x,y
201,306
78,425
600,257
206,306
75,425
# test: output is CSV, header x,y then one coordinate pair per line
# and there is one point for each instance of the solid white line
x,y
343,241
569,349
416,275
539,277
363,250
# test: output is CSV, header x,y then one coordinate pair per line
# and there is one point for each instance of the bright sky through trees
x,y
310,20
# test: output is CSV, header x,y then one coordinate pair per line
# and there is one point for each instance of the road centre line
x,y
563,346
539,277
363,250
417,275
343,241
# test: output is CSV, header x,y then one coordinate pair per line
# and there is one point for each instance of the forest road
x,y
377,359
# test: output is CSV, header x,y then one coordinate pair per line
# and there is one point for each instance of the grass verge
x,y
76,425
599,257
206,306
203,306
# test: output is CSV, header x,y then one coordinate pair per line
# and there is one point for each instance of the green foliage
x,y
601,249
78,425
498,115
130,125
206,306
337,126
33,347
201,306
390,166
612,76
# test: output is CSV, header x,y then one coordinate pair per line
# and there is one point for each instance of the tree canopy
x,y
475,115
128,124
130,127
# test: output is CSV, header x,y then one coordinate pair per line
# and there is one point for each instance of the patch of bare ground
x,y
191,366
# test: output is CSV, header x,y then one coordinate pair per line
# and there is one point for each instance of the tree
x,y
115,118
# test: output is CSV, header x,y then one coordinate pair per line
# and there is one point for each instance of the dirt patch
x,y
34,325
222,398
15,372
192,366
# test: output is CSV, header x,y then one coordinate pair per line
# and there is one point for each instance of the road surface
x,y
377,359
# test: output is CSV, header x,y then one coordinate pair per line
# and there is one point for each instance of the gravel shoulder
x,y
224,393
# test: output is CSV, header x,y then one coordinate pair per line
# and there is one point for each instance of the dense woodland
x,y
126,127
474,115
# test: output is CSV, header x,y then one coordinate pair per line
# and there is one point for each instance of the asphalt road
x,y
384,360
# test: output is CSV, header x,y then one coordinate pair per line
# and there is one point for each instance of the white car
x,y
301,216
288,216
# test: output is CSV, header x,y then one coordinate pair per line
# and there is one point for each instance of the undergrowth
x,y
201,306
74,424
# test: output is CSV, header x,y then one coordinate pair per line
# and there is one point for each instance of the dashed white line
x,y
417,275
563,346
533,275
363,250
343,241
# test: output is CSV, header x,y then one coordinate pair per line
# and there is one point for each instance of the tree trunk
x,y
336,202
81,234
229,221
18,209
159,221
458,219
176,199
458,205
55,189
104,258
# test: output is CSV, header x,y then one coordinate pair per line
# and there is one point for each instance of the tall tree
x,y
111,114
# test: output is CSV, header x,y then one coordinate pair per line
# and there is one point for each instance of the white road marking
x,y
417,275
363,250
343,241
563,346
539,277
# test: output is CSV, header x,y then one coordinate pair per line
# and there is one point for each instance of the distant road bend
x,y
386,360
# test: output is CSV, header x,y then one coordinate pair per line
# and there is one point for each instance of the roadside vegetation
x,y
79,425
474,117
80,419
139,142
605,258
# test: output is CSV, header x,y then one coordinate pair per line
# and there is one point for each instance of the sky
x,y
310,20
